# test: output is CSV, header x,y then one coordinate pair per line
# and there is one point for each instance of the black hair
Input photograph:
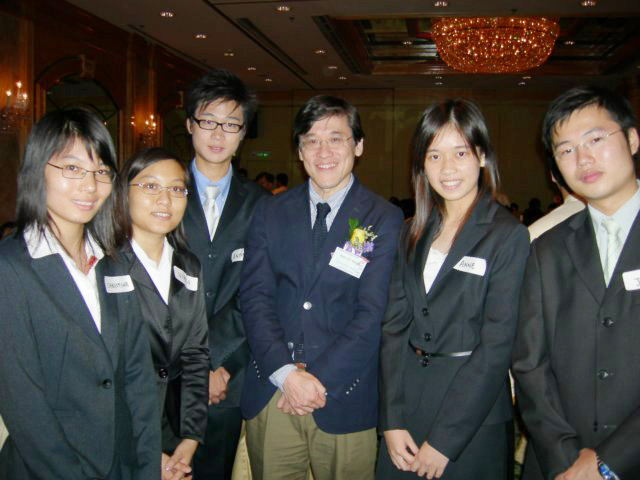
x,y
269,176
465,116
133,166
282,179
54,133
576,99
323,106
220,84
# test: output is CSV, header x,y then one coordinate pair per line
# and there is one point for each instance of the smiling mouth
x,y
161,215
85,205
590,177
451,183
326,166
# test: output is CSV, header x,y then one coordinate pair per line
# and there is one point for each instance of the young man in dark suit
x,y
313,292
219,108
576,354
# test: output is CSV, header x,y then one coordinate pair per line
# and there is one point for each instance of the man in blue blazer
x,y
313,292
576,353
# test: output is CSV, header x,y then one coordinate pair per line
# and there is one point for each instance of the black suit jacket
x,y
576,358
285,296
179,342
72,398
221,261
448,400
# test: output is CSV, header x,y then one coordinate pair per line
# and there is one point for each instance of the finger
x,y
399,463
406,456
412,445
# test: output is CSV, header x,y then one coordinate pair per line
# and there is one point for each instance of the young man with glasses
x,y
313,292
219,108
576,354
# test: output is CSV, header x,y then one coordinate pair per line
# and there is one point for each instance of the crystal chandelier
x,y
14,111
494,44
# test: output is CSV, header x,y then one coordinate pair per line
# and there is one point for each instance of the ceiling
x,y
363,40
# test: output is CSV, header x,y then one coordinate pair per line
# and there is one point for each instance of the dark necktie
x,y
319,232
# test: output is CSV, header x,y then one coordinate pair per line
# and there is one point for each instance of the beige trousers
x,y
283,447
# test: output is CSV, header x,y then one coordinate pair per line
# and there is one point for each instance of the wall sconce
x,y
149,131
14,111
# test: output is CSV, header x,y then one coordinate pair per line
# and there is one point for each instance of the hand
x,y
584,468
284,405
178,465
218,381
429,462
304,392
401,447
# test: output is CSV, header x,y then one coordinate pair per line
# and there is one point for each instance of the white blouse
x,y
435,259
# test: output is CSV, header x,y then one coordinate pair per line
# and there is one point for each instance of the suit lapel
x,y
51,269
233,203
583,251
108,314
194,220
629,258
422,251
473,230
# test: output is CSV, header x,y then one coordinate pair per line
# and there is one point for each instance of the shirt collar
x,y
335,200
202,182
40,246
165,257
624,216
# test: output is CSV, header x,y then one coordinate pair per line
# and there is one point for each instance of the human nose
x,y
448,164
89,183
323,148
163,197
582,153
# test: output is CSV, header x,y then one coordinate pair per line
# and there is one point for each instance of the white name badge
x,y
631,280
190,282
348,262
120,284
475,265
237,255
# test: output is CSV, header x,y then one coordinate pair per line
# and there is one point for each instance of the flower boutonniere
x,y
360,238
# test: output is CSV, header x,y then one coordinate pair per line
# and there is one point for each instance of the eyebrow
x,y
455,147
230,117
156,178
68,156
588,132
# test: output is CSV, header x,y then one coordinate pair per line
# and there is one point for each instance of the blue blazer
x,y
341,322
78,403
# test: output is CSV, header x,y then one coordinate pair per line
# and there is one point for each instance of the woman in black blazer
x,y
75,367
153,186
451,319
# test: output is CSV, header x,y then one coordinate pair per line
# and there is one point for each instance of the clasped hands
x,y
302,393
425,461
584,468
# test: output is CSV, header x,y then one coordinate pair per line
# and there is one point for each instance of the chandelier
x,y
15,110
494,44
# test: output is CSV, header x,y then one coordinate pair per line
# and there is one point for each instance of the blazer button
x,y
424,362
608,322
209,294
307,305
106,384
425,311
602,374
427,337
163,373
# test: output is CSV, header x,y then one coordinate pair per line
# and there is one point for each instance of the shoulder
x,y
250,188
382,206
556,235
13,250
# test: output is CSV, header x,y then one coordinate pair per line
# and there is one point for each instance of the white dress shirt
x,y
160,272
434,263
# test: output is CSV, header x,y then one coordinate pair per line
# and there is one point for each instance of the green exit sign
x,y
262,154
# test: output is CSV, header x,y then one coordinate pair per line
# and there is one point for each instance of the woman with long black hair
x,y
76,379
451,318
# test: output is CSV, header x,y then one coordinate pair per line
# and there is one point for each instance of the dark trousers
x,y
214,459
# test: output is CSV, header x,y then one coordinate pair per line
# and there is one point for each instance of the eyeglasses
x,y
207,124
155,189
569,152
333,143
73,172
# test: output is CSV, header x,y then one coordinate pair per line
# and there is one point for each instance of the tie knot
x,y
611,226
212,192
323,210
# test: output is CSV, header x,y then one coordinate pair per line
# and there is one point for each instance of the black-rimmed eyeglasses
x,y
207,124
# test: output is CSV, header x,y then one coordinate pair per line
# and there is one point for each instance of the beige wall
x,y
389,118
